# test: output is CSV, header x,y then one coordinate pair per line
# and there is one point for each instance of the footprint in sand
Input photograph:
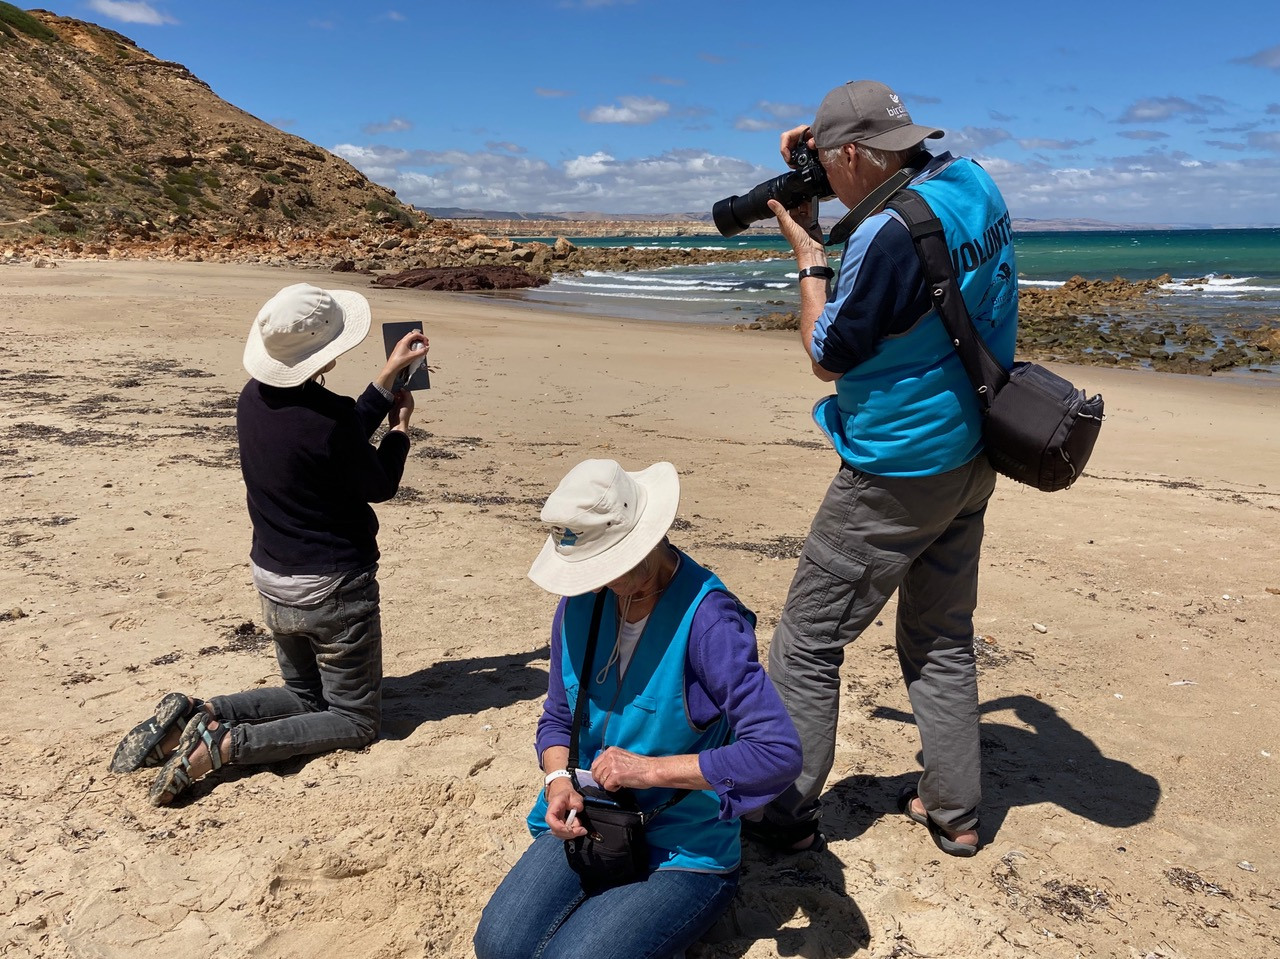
x,y
132,557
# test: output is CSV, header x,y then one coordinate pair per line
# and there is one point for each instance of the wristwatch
x,y
823,271
556,774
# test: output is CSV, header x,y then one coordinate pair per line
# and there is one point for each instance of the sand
x,y
1130,739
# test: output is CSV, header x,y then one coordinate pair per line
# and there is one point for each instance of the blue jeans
x,y
330,658
540,910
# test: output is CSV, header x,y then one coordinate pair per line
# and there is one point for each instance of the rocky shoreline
x,y
1092,322
1119,323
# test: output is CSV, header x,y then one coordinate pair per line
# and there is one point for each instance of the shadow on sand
x,y
1051,762
451,687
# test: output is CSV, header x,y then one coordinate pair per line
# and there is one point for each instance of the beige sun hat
x,y
300,329
604,521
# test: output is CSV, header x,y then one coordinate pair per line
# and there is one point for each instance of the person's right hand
x,y
561,797
790,138
401,410
410,347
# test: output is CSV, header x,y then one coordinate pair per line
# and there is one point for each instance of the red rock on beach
x,y
462,279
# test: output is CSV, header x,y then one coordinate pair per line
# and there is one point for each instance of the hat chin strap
x,y
875,199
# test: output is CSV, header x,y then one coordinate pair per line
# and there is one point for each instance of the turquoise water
x,y
1222,278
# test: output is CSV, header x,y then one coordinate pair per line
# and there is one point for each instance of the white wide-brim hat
x,y
300,330
604,521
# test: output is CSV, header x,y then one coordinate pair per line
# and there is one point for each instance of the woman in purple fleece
x,y
680,720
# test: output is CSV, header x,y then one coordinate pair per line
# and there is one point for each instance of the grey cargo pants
x,y
921,536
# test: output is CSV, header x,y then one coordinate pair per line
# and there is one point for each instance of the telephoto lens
x,y
734,214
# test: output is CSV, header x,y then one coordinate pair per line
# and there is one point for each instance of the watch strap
x,y
823,271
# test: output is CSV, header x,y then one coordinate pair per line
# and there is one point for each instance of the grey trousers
x,y
921,536
330,658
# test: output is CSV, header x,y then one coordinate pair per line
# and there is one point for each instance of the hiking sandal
x,y
782,839
141,747
936,832
175,776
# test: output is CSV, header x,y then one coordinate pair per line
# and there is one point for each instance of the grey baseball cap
x,y
864,111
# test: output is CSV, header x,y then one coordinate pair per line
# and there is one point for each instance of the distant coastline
x,y
587,224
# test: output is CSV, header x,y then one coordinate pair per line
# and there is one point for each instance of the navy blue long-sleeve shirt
x,y
310,474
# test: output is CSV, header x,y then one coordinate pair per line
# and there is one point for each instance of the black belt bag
x,y
1038,429
614,851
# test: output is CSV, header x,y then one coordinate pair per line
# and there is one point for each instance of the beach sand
x,y
1130,740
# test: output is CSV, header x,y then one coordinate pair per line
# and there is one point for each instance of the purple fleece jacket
x,y
723,675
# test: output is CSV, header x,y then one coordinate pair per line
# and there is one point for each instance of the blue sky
x,y
1129,112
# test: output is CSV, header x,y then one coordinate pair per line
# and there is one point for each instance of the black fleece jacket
x,y
310,474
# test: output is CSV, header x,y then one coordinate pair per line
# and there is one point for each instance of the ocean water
x,y
1224,279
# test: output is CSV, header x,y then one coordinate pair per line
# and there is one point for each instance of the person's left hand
x,y
401,410
798,229
616,768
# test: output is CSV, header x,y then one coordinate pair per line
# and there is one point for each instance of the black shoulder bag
x,y
614,852
1038,428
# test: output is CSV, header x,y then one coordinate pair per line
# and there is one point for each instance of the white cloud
x,y
1155,109
1268,59
631,110
1265,141
594,165
1154,186
972,139
394,125
1035,143
674,181
770,115
131,11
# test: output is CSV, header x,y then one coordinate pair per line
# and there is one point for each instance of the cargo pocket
x,y
825,585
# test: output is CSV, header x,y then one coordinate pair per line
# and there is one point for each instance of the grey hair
x,y
883,160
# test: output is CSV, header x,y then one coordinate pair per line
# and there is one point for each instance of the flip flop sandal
x,y
783,838
175,776
141,748
940,838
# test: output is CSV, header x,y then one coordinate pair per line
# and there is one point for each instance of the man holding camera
x,y
905,511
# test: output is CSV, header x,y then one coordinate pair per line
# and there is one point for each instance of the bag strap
x,y
580,708
985,372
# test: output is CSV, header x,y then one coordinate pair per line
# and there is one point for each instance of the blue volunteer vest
x,y
646,713
909,409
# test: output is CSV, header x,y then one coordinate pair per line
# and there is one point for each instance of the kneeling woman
x,y
679,722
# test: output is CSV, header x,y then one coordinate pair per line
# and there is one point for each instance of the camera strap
x,y
874,200
580,708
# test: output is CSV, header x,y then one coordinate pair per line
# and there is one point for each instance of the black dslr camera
x,y
808,181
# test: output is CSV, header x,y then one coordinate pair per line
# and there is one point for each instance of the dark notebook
x,y
415,376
